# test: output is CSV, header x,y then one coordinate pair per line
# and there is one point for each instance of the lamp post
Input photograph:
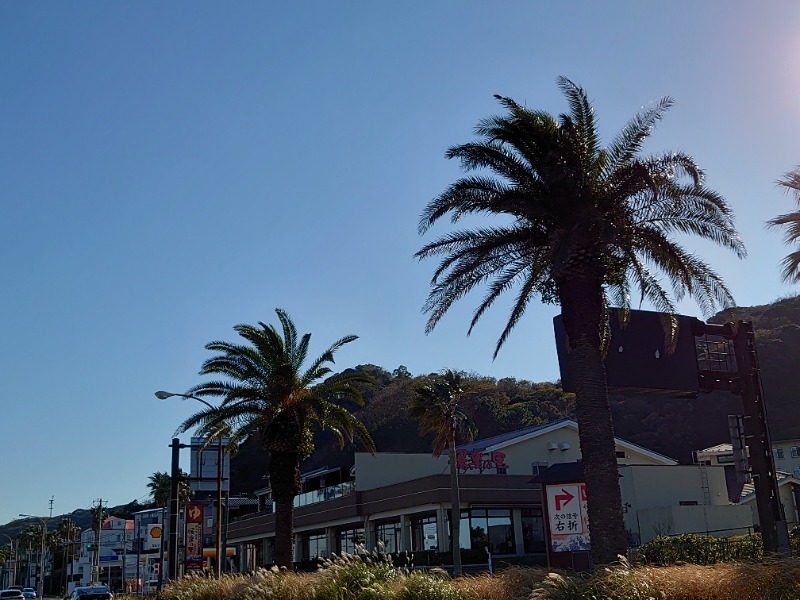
x,y
161,395
13,561
40,590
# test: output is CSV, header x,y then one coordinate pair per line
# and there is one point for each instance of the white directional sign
x,y
568,517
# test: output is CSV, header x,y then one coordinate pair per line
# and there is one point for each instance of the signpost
x,y
568,517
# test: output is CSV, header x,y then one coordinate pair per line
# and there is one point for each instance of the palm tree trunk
x,y
455,509
284,475
582,311
284,533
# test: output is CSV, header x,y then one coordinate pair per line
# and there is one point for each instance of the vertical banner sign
x,y
569,519
154,533
194,536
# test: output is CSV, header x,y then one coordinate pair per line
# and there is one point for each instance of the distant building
x,y
786,454
108,560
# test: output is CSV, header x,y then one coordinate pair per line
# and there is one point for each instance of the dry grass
x,y
349,579
515,583
773,580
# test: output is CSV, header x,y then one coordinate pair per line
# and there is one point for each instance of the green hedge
x,y
700,549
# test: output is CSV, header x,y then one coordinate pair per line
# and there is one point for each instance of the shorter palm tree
x,y
160,485
269,391
435,405
790,222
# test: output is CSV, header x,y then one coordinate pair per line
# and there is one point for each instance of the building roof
x,y
749,490
498,442
718,449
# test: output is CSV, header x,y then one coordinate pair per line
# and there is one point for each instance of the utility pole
x,y
52,498
96,561
745,381
173,509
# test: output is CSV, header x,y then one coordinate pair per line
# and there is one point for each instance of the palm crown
x,y
576,208
435,404
267,391
790,222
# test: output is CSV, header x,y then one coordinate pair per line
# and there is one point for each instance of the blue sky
x,y
172,169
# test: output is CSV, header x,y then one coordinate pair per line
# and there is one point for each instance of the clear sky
x,y
171,169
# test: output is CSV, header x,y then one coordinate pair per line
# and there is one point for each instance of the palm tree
x,y
581,226
435,405
160,485
790,271
267,391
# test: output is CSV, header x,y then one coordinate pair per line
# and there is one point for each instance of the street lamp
x,y
40,590
161,395
13,561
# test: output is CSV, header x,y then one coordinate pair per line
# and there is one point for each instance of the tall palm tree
x,y
790,222
435,405
160,485
268,391
582,225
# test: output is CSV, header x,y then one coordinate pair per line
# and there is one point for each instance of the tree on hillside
x,y
270,390
582,226
435,404
160,486
790,222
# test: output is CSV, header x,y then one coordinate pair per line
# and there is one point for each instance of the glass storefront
x,y
490,528
315,545
424,533
533,530
388,534
348,540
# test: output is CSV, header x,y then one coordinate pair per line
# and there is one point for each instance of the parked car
x,y
91,592
11,594
29,593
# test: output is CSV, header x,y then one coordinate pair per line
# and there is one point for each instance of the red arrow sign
x,y
563,499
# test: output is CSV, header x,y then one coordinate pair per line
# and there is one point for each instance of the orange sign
x,y
155,531
194,513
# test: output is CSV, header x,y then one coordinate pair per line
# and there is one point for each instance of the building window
x,y
795,451
688,502
348,540
621,454
424,533
490,528
315,545
533,530
389,535
778,453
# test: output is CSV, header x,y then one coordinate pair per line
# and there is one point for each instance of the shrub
x,y
700,549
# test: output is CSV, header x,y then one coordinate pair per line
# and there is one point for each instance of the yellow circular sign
x,y
155,532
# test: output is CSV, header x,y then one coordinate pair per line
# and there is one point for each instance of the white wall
x,y
652,486
717,520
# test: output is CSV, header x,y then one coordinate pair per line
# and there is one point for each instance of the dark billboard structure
x,y
638,361
706,357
